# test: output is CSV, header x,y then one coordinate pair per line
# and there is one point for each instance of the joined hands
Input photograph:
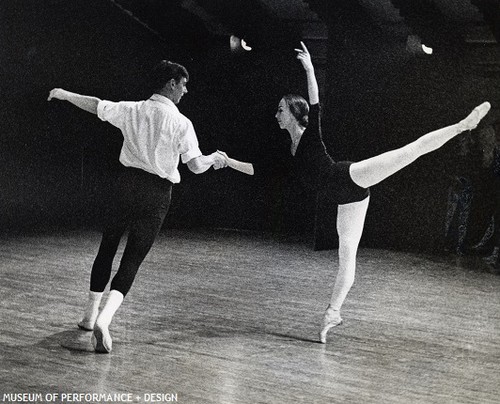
x,y
246,168
220,160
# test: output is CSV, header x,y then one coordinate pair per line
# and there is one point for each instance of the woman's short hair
x,y
298,107
165,71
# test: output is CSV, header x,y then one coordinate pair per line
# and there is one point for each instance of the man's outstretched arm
x,y
85,102
200,164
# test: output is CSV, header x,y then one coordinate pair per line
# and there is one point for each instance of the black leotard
x,y
317,170
314,167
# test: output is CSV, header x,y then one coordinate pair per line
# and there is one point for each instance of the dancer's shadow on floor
x,y
76,341
289,337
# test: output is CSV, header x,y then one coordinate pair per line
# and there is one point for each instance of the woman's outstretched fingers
x,y
304,56
303,50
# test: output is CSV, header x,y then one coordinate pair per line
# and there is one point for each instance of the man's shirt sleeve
x,y
188,143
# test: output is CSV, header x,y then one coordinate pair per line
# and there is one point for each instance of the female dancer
x,y
348,182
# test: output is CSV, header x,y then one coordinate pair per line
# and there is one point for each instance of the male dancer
x,y
156,136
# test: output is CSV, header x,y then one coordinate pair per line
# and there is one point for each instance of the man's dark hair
x,y
165,71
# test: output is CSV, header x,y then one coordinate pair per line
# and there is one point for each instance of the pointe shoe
x,y
473,119
101,339
332,319
86,325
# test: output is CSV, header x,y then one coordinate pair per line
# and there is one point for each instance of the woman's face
x,y
284,116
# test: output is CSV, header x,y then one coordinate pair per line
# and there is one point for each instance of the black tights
x,y
142,203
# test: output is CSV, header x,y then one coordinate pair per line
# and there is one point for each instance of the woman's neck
x,y
295,135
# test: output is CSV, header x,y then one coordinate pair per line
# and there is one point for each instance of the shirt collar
x,y
162,99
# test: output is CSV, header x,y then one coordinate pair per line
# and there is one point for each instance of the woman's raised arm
x,y
312,85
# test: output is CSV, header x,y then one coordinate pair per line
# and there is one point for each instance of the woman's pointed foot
x,y
473,119
101,339
331,319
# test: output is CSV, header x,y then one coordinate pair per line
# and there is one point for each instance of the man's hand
x,y
57,93
223,154
240,166
219,161
85,102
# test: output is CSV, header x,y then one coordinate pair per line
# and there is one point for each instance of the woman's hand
x,y
305,57
312,85
237,165
220,161
223,154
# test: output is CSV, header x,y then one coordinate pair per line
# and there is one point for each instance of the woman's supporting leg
x,y
350,224
371,171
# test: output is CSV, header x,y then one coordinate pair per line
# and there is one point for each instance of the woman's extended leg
x,y
350,224
373,170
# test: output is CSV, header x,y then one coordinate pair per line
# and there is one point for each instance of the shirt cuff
x,y
190,154
100,109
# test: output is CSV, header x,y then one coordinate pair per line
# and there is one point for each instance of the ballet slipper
x,y
473,119
91,311
86,325
332,319
101,339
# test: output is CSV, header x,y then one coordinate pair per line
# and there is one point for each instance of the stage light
x,y
238,44
427,50
245,46
415,46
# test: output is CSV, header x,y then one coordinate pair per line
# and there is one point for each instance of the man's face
x,y
179,89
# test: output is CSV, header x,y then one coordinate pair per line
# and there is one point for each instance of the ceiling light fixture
x,y
415,46
238,44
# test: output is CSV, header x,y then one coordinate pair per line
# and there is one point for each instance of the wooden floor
x,y
224,317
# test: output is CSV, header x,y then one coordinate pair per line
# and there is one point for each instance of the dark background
x,y
58,162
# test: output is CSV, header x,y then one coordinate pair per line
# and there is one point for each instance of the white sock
x,y
113,303
92,307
